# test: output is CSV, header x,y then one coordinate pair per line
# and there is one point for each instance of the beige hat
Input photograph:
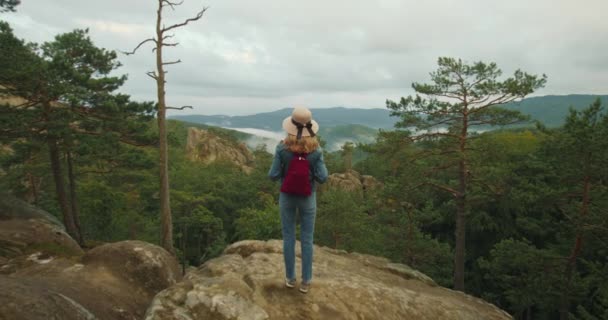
x,y
300,123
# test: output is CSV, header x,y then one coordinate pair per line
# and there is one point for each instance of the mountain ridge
x,y
550,110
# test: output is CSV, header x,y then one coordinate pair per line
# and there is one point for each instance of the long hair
x,y
304,145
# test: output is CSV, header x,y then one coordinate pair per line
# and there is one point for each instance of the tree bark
x,y
336,237
34,188
411,260
68,218
461,207
459,253
184,239
74,199
166,237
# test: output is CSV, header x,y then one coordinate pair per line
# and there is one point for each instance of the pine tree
x,y
62,91
461,97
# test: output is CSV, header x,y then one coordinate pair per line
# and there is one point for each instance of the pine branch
x,y
454,192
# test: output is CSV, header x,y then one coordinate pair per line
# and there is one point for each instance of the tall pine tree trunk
x,y
68,218
461,207
460,235
74,199
166,237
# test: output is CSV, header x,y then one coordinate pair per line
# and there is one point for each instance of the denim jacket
x,y
282,157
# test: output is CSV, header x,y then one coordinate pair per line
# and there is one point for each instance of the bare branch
x,y
171,4
95,172
139,45
505,98
170,44
452,95
476,83
483,122
441,167
434,135
152,74
172,62
447,120
454,192
24,105
168,36
478,101
181,108
496,191
195,18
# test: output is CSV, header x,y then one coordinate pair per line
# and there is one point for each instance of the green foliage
x,y
596,304
201,235
8,5
343,223
446,112
521,276
458,89
260,224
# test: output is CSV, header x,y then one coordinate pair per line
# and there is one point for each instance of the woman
x,y
301,141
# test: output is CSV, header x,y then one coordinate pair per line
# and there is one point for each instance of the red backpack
x,y
297,177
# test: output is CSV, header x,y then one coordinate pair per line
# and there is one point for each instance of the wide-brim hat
x,y
300,123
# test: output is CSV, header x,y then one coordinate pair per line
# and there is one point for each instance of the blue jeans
x,y
307,206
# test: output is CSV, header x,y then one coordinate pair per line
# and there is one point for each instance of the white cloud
x,y
251,56
116,28
262,137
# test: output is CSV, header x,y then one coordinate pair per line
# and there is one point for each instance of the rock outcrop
x,y
26,229
351,181
207,148
45,275
246,282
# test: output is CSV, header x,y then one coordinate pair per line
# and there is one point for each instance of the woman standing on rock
x,y
298,163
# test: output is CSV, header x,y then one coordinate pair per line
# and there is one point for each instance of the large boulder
x,y
22,300
139,263
45,275
247,282
206,147
26,229
114,281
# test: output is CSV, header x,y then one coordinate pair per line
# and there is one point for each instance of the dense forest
x,y
534,199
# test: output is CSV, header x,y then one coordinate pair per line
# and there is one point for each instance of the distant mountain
x,y
338,135
339,125
552,110
329,117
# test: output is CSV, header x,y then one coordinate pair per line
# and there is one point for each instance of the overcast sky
x,y
250,56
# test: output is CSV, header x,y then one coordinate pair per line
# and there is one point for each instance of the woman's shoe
x,y
304,287
290,283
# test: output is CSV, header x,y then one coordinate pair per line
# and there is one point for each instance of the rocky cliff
x,y
206,147
45,275
246,282
351,181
